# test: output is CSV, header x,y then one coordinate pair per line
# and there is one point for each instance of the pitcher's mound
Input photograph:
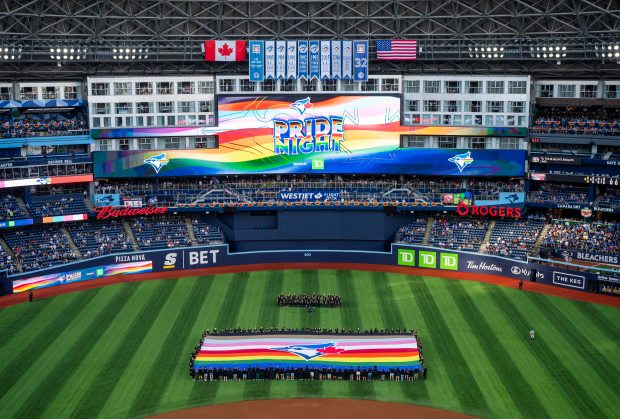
x,y
313,409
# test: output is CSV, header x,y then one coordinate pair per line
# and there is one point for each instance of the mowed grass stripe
x,y
598,313
229,309
309,318
438,386
73,357
104,384
461,376
155,382
393,317
269,313
554,367
350,309
516,384
43,337
578,347
15,319
361,317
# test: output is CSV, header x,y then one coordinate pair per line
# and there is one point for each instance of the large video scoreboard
x,y
336,134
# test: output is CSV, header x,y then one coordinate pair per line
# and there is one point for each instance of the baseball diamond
x,y
298,209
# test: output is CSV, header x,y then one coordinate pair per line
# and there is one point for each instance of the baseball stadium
x,y
300,209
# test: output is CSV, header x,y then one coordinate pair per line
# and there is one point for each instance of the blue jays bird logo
x,y
302,105
44,181
157,162
462,160
105,200
513,198
309,352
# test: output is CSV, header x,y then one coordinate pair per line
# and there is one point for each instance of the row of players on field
x,y
309,300
309,373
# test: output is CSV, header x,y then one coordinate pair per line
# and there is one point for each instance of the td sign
x,y
429,259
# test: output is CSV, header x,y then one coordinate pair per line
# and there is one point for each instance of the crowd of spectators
x,y
99,238
576,120
160,232
255,189
39,247
309,300
611,198
595,237
42,127
310,372
206,233
412,233
514,238
458,234
559,194
10,209
58,206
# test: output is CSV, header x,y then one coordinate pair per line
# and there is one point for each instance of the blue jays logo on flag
x,y
347,59
270,59
314,60
309,352
302,59
325,59
301,105
291,60
462,160
157,162
281,59
336,60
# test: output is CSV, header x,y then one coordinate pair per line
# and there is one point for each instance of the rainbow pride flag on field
x,y
345,351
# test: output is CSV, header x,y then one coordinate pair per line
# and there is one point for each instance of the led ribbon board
x,y
309,134
294,351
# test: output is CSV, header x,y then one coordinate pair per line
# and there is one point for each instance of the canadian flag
x,y
224,50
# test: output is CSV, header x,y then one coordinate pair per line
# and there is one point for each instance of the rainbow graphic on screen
x,y
62,278
345,351
306,134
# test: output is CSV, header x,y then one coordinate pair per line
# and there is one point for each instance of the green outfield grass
x,y
122,350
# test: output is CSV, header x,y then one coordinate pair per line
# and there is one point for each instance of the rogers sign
x,y
493,211
112,212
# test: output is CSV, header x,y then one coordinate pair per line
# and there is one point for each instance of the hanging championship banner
x,y
315,60
280,59
291,59
336,60
257,63
270,59
360,60
347,59
325,59
302,59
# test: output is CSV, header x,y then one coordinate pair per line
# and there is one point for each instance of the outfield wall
x,y
402,256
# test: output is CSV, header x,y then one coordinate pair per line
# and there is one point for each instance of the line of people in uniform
x,y
309,300
349,373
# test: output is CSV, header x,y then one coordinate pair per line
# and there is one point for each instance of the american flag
x,y
396,49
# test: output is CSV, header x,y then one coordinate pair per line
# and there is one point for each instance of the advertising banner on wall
x,y
309,195
217,256
309,134
582,255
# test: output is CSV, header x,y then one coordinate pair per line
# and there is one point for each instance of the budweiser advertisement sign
x,y
487,211
104,213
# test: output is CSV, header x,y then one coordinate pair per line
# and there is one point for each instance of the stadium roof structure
x,y
448,31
